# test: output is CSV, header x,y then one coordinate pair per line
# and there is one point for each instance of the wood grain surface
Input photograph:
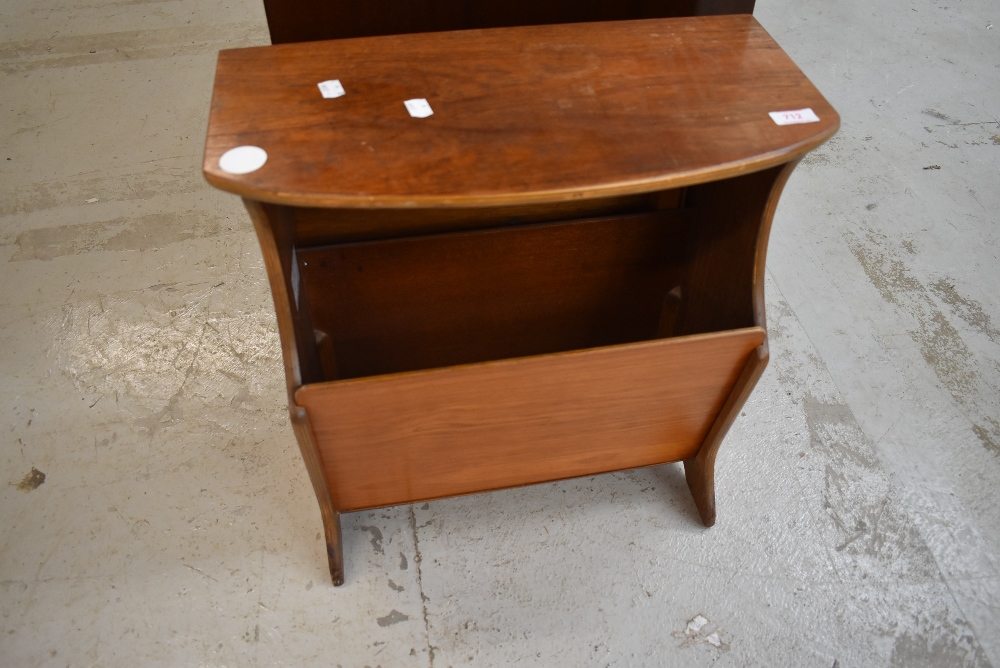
x,y
426,434
521,115
316,227
441,300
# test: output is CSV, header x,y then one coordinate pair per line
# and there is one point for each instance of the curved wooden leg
x,y
701,481
334,547
331,518
735,218
306,354
700,469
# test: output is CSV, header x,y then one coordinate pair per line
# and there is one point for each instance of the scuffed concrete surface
x,y
156,510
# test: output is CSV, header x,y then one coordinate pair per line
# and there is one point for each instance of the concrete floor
x,y
858,515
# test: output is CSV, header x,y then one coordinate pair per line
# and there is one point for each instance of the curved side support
x,y
276,247
763,236
331,518
700,469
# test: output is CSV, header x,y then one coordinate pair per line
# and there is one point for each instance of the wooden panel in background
x,y
309,20
427,434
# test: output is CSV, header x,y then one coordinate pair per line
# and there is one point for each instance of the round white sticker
x,y
243,159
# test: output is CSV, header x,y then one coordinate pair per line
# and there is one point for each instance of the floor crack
x,y
420,586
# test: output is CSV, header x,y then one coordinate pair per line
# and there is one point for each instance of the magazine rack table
x,y
560,272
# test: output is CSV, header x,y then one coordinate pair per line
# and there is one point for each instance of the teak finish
x,y
447,299
559,273
472,428
526,115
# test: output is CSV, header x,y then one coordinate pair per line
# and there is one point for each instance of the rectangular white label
x,y
331,88
418,108
794,117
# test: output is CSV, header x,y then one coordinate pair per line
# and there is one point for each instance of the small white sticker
x,y
331,88
794,117
243,159
419,108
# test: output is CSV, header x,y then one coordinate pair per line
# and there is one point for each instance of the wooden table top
x,y
520,115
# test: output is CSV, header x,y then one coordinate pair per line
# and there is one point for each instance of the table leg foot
x,y
334,548
331,518
701,481
700,469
